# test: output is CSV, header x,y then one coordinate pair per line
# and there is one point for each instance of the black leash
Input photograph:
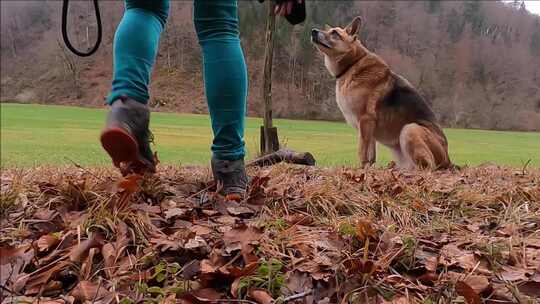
x,y
65,8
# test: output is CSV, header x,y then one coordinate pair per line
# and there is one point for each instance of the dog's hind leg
x,y
415,146
399,158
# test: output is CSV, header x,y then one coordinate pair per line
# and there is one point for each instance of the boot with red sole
x,y
126,137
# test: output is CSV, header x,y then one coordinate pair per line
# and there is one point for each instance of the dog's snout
x,y
314,34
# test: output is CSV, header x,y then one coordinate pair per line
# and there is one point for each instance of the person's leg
x,y
225,75
126,136
225,82
135,48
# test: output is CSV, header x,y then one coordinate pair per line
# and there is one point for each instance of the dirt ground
x,y
302,235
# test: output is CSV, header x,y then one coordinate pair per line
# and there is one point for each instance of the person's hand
x,y
285,8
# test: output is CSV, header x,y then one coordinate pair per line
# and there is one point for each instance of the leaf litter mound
x,y
302,235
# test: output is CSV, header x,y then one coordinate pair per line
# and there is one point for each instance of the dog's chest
x,y
348,104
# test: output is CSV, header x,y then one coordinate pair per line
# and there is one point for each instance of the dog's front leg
x,y
367,140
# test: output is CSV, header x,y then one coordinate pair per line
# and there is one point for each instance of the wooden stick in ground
x,y
285,155
269,134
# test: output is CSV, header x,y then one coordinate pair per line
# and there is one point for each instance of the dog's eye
x,y
335,34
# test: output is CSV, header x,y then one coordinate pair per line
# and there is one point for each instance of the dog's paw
x,y
367,164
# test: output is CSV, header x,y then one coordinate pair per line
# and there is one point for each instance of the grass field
x,y
38,134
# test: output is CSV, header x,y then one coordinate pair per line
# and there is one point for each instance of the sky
x,y
533,6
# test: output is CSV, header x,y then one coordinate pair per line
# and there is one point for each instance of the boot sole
x,y
123,149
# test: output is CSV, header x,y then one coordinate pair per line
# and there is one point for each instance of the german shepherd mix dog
x,y
382,105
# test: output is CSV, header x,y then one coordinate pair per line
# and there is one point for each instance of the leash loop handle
x,y
65,8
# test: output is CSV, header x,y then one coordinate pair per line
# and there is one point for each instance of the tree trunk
x,y
12,36
88,9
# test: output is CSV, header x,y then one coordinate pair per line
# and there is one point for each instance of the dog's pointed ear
x,y
353,27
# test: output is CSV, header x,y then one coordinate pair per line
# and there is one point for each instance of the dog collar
x,y
342,72
346,69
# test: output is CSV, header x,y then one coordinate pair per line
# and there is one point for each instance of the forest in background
x,y
476,62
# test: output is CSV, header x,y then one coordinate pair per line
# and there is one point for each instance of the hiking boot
x,y
231,175
126,137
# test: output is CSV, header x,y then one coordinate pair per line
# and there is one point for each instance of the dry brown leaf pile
x,y
303,235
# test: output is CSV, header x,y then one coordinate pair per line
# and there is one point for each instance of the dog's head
x,y
336,42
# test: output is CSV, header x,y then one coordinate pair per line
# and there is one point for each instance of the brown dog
x,y
382,105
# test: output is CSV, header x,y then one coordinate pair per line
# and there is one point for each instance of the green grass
x,y
39,134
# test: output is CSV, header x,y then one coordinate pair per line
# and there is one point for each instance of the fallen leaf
x,y
533,257
240,210
235,286
508,230
452,255
47,301
317,272
512,274
37,280
535,277
165,243
191,270
464,290
208,267
428,259
226,219
109,258
299,219
45,214
243,237
196,243
181,224
46,242
478,283
174,212
73,219
79,252
125,264
357,265
297,282
501,294
435,209
395,300
239,272
89,291
206,295
200,230
86,267
11,254
473,227
130,183
51,287
261,296
146,208
428,277
446,184
210,212
170,299
531,289
13,261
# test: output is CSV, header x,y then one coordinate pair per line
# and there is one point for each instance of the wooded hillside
x,y
477,62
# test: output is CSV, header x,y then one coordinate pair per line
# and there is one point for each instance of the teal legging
x,y
225,76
